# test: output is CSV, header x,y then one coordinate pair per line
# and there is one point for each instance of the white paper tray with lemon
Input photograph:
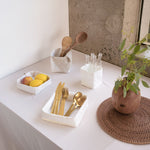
x,y
33,82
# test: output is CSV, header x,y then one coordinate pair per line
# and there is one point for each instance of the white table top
x,y
88,135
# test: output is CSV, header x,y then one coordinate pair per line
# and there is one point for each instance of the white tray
x,y
33,90
73,120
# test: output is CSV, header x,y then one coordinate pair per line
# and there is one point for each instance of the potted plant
x,y
126,95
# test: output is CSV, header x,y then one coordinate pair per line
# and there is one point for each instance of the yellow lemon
x,y
36,82
42,77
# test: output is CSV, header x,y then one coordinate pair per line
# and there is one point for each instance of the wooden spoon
x,y
66,43
80,38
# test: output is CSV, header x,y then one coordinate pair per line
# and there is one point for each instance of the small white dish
x,y
33,90
73,120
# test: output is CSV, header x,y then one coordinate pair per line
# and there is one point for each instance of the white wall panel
x,y
29,30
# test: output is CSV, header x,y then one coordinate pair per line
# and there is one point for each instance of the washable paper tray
x,y
29,89
60,64
73,120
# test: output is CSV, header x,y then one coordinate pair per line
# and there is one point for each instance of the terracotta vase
x,y
126,105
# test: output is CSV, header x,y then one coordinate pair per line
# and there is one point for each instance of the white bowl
x,y
33,90
73,120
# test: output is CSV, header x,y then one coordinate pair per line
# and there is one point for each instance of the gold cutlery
x,y
76,96
78,103
54,102
65,95
59,96
56,97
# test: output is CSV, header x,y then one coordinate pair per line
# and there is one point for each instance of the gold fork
x,y
65,95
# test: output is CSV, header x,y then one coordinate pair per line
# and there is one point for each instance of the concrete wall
x,y
104,21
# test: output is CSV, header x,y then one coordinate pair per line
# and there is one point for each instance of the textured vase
x,y
126,105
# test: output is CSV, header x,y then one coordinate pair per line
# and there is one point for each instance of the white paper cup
x,y
91,79
60,64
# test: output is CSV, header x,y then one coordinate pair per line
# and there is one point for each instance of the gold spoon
x,y
66,43
76,96
81,37
79,102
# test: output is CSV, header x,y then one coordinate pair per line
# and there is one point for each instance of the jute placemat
x,y
133,128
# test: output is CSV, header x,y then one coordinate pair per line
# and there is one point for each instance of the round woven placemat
x,y
133,128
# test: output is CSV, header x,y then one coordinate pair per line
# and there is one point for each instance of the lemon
x,y
36,82
42,77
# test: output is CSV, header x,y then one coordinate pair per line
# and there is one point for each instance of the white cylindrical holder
x,y
60,64
91,78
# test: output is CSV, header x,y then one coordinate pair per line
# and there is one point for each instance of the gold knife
x,y
56,95
65,94
58,98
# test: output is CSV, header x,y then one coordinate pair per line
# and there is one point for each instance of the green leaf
x,y
124,54
143,40
117,85
134,88
142,69
137,82
122,44
130,48
136,49
131,76
142,51
131,57
137,78
128,85
132,62
148,36
123,70
124,92
145,84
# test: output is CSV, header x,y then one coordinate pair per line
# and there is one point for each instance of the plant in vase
x,y
126,95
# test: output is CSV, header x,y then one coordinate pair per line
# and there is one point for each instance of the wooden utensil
x,y
66,43
80,38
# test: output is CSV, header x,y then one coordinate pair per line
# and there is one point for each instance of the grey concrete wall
x,y
104,21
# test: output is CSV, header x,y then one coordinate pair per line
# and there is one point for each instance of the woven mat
x,y
133,128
